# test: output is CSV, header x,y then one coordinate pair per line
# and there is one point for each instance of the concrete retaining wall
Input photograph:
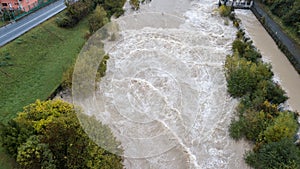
x,y
285,43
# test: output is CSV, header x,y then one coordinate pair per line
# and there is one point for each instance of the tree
x,y
114,7
97,19
135,4
49,135
292,18
281,7
243,76
276,155
255,124
34,154
284,126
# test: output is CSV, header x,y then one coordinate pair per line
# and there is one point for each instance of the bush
x,y
97,19
270,91
239,46
251,55
255,124
237,129
284,126
224,10
114,7
276,155
49,135
74,13
243,76
135,4
280,7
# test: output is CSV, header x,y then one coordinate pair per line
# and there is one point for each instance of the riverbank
x,y
32,67
164,92
284,71
287,45
261,120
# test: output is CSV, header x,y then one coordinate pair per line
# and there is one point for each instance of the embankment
x,y
290,48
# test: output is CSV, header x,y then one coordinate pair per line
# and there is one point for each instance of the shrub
x,y
135,4
74,13
49,135
224,10
243,76
251,55
239,46
276,155
270,91
237,129
67,78
284,126
255,124
97,19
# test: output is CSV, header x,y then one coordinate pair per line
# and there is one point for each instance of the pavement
x,y
13,30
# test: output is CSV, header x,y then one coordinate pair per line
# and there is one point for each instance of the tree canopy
x,y
47,134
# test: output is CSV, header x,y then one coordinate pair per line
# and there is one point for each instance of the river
x,y
284,72
164,95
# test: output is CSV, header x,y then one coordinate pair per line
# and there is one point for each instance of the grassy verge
x,y
31,67
2,23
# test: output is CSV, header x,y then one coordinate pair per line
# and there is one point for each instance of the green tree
x,y
224,10
135,4
97,19
34,154
256,123
292,18
243,76
114,7
281,7
56,139
276,155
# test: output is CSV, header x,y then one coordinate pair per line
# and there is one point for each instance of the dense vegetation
x,y
260,118
78,10
32,68
49,135
287,11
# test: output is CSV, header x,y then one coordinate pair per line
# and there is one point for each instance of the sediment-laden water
x,y
164,94
284,71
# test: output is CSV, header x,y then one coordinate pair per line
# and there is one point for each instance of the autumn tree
x,y
49,135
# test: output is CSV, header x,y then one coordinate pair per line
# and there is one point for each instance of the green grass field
x,y
31,67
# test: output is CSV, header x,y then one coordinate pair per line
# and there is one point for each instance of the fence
x,y
13,15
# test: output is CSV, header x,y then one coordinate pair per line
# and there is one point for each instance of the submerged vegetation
x,y
260,118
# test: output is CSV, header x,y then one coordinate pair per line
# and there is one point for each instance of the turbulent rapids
x,y
164,93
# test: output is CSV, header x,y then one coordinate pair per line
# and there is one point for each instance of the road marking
x,y
15,29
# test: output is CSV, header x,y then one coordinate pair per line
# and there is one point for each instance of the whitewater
x,y
164,93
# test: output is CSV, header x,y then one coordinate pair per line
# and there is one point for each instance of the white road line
x,y
32,20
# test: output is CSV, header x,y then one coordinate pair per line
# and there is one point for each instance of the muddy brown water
x,y
284,71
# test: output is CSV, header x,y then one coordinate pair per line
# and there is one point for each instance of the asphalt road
x,y
16,29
